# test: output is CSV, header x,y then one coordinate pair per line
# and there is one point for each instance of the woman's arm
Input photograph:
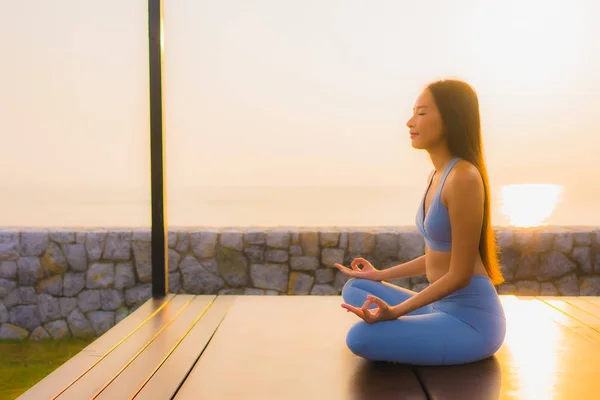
x,y
465,198
409,269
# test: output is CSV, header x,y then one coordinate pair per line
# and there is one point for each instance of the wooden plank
x,y
539,306
170,375
95,352
457,382
111,365
290,347
540,359
543,359
577,313
580,302
139,371
594,300
381,381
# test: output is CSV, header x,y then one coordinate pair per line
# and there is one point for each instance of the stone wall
x,y
59,283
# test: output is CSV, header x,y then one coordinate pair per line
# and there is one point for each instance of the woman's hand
x,y
368,271
383,312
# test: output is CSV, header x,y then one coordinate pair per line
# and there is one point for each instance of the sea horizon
x,y
247,206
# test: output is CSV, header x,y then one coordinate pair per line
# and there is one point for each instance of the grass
x,y
23,364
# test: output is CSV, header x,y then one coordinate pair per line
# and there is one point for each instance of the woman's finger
x,y
350,307
344,269
368,316
340,267
380,303
353,309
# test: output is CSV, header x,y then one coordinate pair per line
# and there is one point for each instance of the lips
x,y
413,134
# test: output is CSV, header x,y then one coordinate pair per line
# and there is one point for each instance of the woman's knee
x,y
347,288
410,344
360,283
349,291
371,341
357,341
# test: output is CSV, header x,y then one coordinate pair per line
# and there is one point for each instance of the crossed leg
x,y
355,293
423,337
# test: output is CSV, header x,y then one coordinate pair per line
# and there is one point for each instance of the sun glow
x,y
528,205
531,378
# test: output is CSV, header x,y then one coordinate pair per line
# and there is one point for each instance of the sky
x,y
291,94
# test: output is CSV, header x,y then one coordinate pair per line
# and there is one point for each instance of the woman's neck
x,y
440,157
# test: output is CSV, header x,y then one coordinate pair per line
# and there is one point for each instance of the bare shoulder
x,y
463,180
465,173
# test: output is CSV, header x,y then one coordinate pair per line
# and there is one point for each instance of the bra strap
x,y
448,169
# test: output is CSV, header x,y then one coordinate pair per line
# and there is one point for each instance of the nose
x,y
409,123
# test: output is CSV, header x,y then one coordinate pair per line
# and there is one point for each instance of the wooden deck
x,y
293,347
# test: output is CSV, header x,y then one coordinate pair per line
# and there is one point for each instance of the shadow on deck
x,y
293,347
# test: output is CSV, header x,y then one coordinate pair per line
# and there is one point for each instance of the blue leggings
x,y
467,326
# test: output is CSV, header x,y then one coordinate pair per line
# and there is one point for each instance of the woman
x,y
458,317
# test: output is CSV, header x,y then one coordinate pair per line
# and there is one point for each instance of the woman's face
x,y
426,125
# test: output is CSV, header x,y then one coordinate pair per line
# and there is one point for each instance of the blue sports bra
x,y
435,226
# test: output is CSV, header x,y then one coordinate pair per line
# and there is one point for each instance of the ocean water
x,y
268,206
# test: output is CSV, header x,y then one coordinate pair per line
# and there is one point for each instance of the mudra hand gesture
x,y
383,312
368,271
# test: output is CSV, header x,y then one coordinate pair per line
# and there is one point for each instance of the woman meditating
x,y
458,317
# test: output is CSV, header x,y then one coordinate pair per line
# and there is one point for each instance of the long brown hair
x,y
459,107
